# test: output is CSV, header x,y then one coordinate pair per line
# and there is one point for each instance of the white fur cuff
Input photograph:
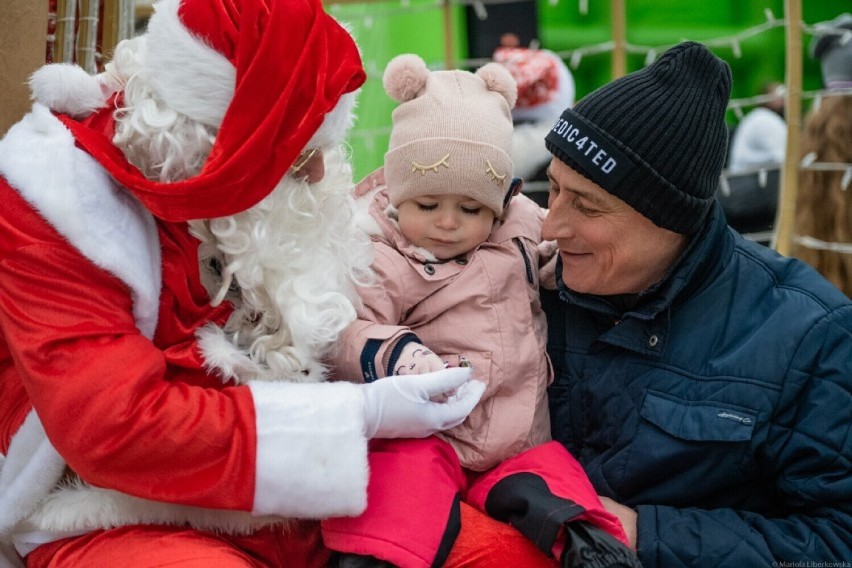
x,y
311,450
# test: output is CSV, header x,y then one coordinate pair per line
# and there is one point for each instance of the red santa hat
x,y
272,75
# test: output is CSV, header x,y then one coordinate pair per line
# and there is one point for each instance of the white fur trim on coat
x,y
31,470
38,158
81,508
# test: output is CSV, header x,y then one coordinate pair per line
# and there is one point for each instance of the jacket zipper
x,y
527,263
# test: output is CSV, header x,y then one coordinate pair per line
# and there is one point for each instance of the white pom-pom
x,y
497,78
68,89
405,77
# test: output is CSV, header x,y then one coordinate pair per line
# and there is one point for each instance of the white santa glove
x,y
415,359
399,407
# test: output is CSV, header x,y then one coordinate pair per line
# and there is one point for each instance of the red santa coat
x,y
100,305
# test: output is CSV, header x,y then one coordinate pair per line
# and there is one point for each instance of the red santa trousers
x,y
484,543
416,486
147,546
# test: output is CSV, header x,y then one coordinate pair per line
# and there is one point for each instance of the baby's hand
x,y
416,359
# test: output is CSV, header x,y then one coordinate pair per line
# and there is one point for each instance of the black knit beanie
x,y
655,138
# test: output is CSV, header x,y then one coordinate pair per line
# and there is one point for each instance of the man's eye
x,y
578,205
554,189
426,207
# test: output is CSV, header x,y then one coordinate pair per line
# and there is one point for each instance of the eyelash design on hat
x,y
434,167
495,177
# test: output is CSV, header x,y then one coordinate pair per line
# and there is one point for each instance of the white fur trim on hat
x,y
196,80
339,120
68,89
562,98
191,77
336,124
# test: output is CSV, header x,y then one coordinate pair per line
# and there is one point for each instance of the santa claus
x,y
178,257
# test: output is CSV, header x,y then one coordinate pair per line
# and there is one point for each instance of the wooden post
x,y
619,38
63,45
785,218
23,43
87,36
449,55
111,28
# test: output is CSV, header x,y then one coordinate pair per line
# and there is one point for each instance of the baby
x,y
457,256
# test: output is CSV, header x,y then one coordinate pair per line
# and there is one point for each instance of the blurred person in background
x,y
824,200
760,139
545,89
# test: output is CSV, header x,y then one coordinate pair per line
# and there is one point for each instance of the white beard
x,y
296,258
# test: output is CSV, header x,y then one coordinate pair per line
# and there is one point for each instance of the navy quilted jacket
x,y
719,407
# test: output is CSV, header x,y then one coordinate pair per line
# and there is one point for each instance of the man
x,y
703,381
187,404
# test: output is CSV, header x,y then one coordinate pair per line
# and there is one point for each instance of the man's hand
x,y
626,515
547,272
400,407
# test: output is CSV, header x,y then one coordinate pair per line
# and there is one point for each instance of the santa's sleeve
x,y
125,419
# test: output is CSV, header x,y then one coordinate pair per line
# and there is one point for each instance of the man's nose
x,y
309,165
556,223
548,232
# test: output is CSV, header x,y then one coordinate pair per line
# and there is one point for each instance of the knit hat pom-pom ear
x,y
497,78
405,77
67,88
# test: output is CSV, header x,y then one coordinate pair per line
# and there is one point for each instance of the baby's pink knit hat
x,y
452,132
